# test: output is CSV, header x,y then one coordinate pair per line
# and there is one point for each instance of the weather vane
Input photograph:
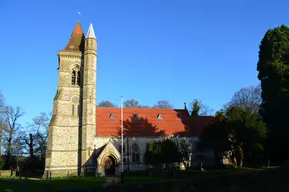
x,y
79,13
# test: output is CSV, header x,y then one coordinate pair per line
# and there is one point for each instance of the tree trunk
x,y
31,151
0,140
239,156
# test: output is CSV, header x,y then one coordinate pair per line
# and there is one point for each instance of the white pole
x,y
121,125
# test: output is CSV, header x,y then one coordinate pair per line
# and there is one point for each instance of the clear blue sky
x,y
149,50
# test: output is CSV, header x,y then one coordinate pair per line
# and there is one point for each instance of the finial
x,y
185,104
79,13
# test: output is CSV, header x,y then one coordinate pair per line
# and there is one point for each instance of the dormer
x,y
180,116
136,117
111,116
159,116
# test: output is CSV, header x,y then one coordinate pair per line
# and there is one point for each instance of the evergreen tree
x,y
273,67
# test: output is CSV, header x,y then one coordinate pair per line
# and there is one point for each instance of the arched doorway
x,y
109,166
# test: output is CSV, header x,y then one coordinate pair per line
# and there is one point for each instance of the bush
x,y
2,162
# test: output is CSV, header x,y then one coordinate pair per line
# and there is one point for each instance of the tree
x,y
132,103
162,152
165,104
238,132
37,136
11,116
2,124
106,104
144,106
200,109
248,98
185,149
273,68
216,136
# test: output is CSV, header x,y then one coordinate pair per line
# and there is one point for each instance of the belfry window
x,y
78,78
75,76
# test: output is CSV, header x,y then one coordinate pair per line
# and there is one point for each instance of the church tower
x,y
89,100
72,126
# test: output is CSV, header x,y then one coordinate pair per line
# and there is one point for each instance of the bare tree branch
x,y
106,104
132,103
248,98
10,117
37,136
200,109
163,104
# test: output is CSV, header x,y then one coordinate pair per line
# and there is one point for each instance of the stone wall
x,y
141,143
62,152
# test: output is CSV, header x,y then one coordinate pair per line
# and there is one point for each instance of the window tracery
x,y
135,153
75,76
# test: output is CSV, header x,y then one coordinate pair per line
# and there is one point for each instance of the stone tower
x,y
72,126
89,101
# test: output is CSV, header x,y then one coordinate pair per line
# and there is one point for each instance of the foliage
x,y
106,104
162,152
200,109
236,131
185,149
2,162
165,104
273,68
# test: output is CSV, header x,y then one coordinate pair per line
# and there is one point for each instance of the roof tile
x,y
148,123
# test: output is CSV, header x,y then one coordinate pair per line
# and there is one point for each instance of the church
x,y
85,139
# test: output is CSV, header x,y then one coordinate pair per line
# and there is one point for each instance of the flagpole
x,y
121,125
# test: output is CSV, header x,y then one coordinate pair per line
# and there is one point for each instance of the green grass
x,y
144,177
129,178
49,185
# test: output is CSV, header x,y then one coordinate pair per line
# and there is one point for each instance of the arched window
x,y
135,153
78,78
73,77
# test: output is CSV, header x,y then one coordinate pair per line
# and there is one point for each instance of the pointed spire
x,y
76,41
90,32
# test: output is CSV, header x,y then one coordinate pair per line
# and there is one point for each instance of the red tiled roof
x,y
148,123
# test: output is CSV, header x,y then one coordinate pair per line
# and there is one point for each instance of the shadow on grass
x,y
146,176
49,185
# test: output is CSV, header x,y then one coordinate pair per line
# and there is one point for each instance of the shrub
x,y
2,162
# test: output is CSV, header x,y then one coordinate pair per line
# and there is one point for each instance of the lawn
x,y
199,178
144,177
49,185
217,180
